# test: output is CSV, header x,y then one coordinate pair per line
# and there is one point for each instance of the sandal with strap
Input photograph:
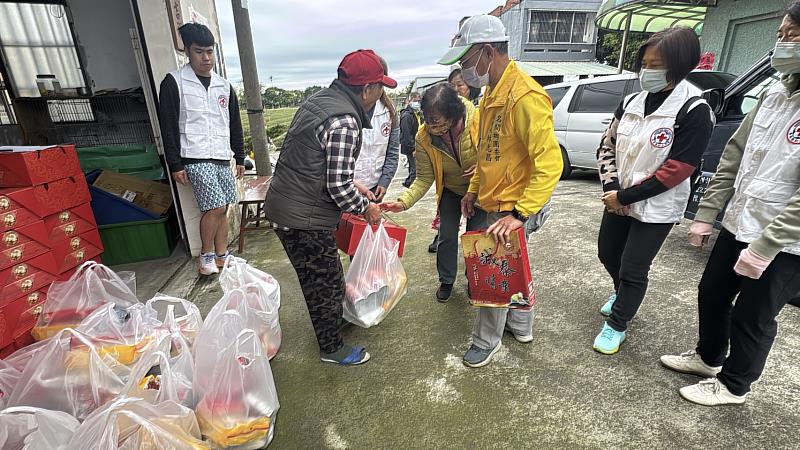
x,y
357,355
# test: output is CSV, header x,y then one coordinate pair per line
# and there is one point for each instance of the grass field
x,y
278,116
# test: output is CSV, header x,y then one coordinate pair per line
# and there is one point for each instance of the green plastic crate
x,y
139,160
130,242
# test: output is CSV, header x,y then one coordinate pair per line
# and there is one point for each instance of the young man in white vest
x,y
756,258
201,130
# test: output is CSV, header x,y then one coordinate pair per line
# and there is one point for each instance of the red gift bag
x,y
498,276
352,226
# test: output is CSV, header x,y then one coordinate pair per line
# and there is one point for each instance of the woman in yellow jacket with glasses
x,y
446,156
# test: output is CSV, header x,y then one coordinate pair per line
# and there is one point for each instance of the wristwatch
x,y
519,216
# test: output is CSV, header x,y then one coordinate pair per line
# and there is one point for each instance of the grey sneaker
x,y
478,357
521,338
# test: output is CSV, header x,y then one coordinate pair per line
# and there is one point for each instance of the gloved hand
x,y
699,233
750,265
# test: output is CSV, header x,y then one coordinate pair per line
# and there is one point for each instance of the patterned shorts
x,y
213,184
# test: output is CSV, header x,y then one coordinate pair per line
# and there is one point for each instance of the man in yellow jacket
x,y
519,160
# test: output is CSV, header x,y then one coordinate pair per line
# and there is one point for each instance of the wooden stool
x,y
255,191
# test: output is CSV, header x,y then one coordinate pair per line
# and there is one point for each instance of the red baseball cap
x,y
363,67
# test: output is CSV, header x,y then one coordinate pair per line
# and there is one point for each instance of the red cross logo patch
x,y
223,101
386,128
793,134
662,137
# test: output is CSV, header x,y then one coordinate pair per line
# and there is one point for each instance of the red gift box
x,y
23,243
46,199
351,227
18,317
74,251
25,278
497,274
11,219
69,223
7,351
29,166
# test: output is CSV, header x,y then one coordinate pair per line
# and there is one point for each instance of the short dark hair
x,y
501,47
443,99
793,11
680,51
195,33
414,94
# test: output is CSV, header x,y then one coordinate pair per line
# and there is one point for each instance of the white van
x,y
583,109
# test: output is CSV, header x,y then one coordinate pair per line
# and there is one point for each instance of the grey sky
x,y
300,43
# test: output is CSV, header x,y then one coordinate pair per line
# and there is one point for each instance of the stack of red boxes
x,y
47,230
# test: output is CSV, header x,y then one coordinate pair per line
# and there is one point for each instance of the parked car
x,y
583,109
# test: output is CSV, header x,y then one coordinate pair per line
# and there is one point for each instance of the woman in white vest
x,y
756,258
651,148
380,150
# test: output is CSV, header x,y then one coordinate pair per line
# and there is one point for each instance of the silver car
x,y
583,109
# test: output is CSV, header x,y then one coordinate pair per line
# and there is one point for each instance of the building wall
x,y
517,21
101,30
739,32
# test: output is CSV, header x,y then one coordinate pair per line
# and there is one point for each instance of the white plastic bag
x,y
130,329
236,400
259,311
375,280
166,372
133,424
69,302
69,374
9,377
237,272
27,428
186,315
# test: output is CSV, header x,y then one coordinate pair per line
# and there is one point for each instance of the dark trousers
x,y
315,258
450,215
412,169
749,326
627,247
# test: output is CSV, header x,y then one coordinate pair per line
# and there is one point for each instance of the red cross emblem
x,y
793,134
386,128
223,102
662,137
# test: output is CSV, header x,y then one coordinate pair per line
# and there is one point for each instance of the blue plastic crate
x,y
111,209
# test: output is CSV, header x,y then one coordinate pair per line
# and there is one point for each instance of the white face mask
x,y
415,105
471,77
786,57
653,80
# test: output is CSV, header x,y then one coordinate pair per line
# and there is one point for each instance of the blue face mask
x,y
653,80
415,105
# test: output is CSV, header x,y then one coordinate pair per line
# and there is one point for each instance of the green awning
x,y
561,68
649,16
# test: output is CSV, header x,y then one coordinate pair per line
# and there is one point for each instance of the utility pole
x,y
255,108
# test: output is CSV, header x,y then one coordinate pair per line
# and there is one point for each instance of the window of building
x,y
38,49
6,111
602,97
557,27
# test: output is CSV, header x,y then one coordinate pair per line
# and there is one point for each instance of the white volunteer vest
x,y
769,174
643,144
374,144
204,120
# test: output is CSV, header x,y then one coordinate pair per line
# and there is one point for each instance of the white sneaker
x,y
206,264
711,392
691,363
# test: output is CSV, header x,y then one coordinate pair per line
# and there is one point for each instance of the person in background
x,y
519,161
410,122
754,268
470,93
313,184
446,157
380,149
652,146
201,129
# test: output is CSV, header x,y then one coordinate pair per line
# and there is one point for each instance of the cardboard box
x,y
29,166
351,227
69,223
73,251
22,244
26,278
46,199
18,317
150,195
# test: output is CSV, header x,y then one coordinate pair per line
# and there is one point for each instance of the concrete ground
x,y
553,393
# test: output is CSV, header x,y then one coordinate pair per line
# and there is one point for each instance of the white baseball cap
x,y
481,29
